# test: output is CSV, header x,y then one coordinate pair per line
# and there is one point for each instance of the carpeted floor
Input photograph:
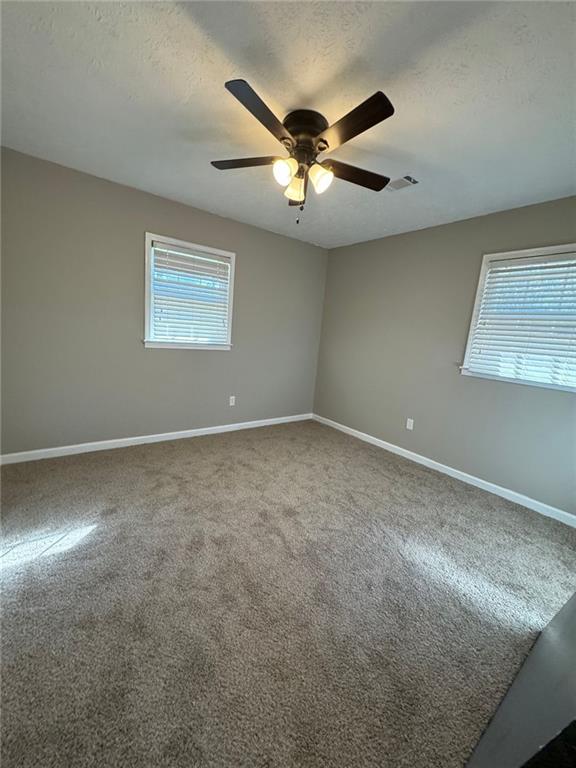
x,y
278,597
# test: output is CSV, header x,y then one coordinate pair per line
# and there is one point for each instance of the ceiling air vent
x,y
405,181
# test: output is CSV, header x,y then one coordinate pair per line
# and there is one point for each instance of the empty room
x,y
288,384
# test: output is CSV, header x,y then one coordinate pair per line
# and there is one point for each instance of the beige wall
x,y
396,319
74,366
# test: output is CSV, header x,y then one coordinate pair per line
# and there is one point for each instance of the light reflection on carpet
x,y
472,587
33,548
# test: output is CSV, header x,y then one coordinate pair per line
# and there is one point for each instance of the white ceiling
x,y
134,92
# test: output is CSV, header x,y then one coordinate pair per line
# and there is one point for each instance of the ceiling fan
x,y
305,134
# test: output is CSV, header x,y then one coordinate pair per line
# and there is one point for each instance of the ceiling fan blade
x,y
242,162
364,116
247,96
356,175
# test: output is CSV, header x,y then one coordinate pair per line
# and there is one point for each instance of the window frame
x,y
150,343
487,259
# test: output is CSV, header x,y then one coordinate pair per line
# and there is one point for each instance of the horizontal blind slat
x,y
525,324
190,296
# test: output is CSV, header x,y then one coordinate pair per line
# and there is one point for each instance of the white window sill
x,y
541,385
184,345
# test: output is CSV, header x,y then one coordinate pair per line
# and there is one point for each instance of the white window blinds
x,y
189,296
524,323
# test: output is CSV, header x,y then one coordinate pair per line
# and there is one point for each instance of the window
x,y
524,322
188,295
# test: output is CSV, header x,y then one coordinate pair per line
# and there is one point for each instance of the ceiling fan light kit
x,y
305,134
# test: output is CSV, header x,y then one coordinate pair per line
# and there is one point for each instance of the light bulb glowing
x,y
295,191
320,177
284,170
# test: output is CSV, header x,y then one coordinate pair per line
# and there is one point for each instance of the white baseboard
x,y
505,493
123,442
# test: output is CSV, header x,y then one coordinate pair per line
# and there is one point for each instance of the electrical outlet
x,y
410,424
232,400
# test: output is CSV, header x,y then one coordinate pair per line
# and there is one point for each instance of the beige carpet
x,y
286,596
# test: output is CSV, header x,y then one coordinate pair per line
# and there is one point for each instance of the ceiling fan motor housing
x,y
305,125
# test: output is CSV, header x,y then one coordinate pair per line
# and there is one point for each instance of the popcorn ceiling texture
x,y
278,597
134,93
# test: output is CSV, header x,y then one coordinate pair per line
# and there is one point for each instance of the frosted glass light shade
x,y
320,177
295,190
284,170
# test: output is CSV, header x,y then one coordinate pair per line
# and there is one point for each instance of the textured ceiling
x,y
134,92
